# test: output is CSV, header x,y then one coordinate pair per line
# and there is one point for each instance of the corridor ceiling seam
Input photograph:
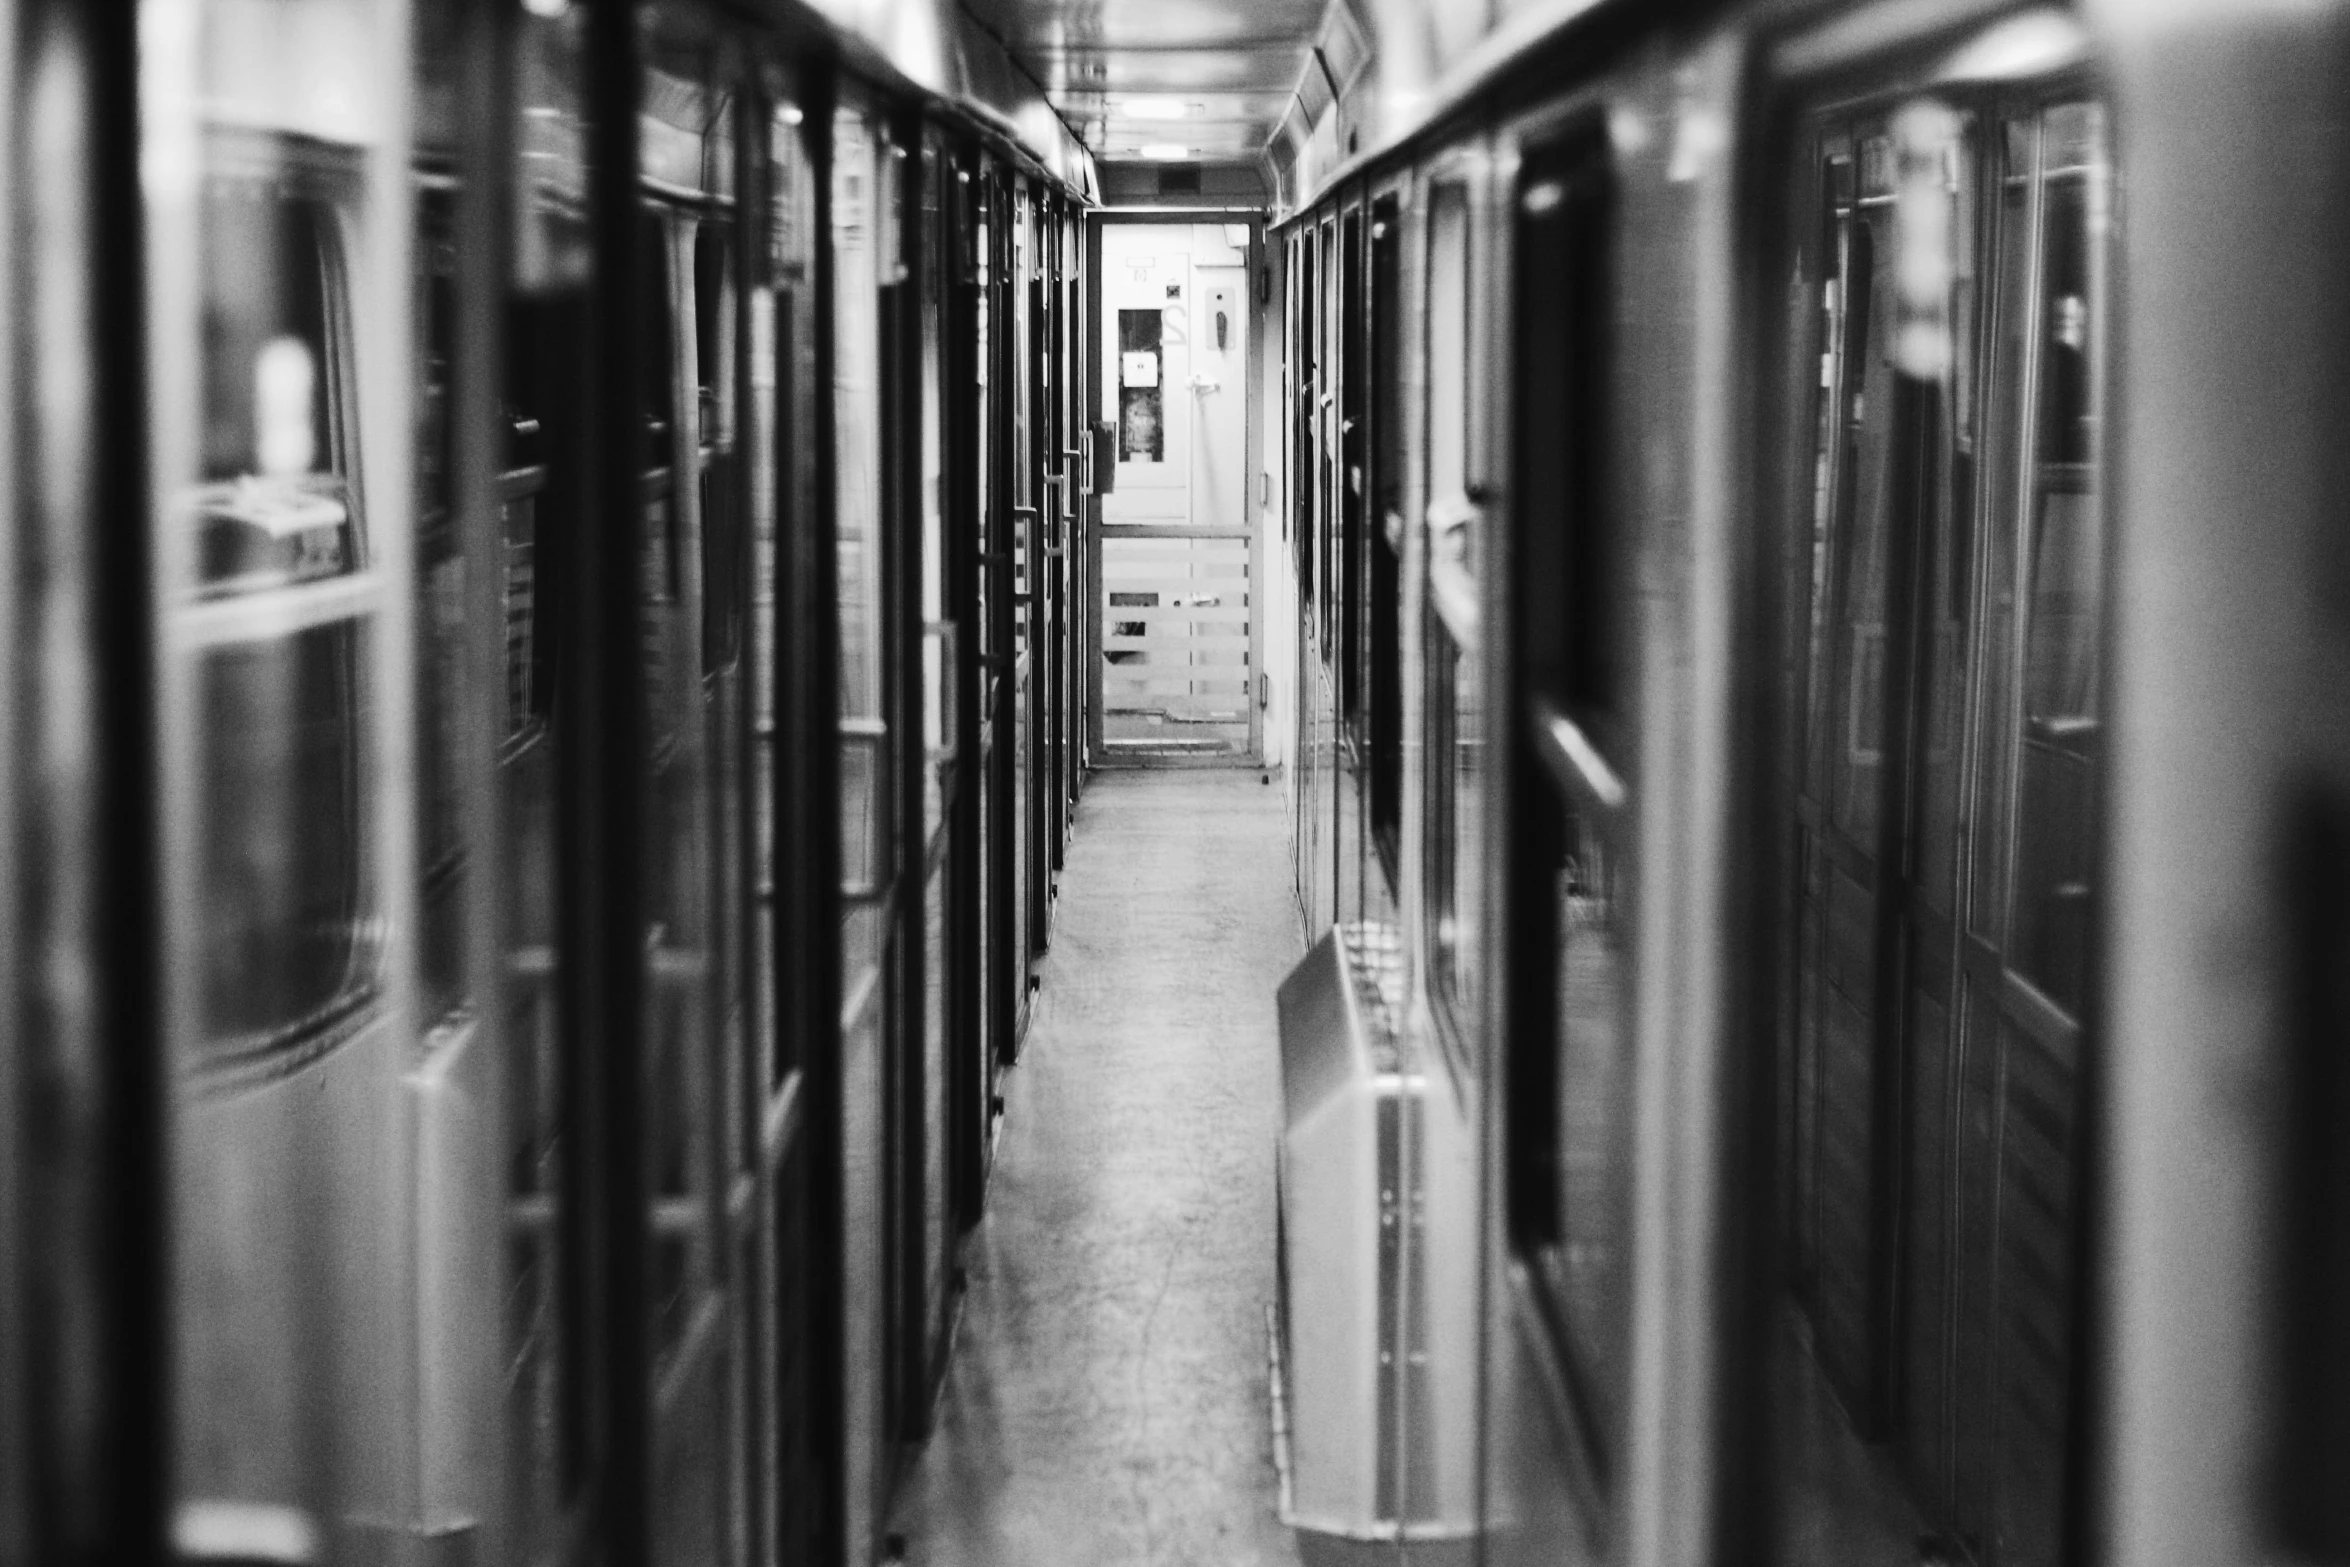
x,y
940,51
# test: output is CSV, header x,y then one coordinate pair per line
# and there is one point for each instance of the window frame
x,y
1450,619
1564,725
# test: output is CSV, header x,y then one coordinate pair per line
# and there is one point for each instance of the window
x,y
660,631
288,940
1931,1090
1329,365
276,506
722,542
1383,446
440,617
1568,1062
1142,409
1351,496
1309,372
2055,788
859,194
1452,677
779,405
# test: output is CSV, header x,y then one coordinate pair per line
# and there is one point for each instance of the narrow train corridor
x,y
1107,1402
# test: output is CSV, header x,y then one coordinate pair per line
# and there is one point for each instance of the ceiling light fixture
x,y
1166,152
1153,108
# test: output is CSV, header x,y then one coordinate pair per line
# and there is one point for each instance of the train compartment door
x,y
278,364
1945,561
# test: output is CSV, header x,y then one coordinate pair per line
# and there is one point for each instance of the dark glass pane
x,y
722,540
288,944
1142,424
440,612
1924,1385
2056,787
2003,431
275,507
1857,700
1304,471
1441,677
1459,936
1352,481
658,368
1566,1040
541,494
1828,321
1385,450
1949,527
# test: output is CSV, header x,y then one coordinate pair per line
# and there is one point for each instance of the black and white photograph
x,y
1175,783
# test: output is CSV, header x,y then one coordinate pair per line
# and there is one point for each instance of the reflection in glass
x,y
1923,1377
856,388
2055,793
1584,1266
1455,847
1441,680
1861,535
276,507
286,940
540,482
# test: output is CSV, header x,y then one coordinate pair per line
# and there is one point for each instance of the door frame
x,y
1258,269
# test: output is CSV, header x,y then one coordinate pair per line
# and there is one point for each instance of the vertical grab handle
x,y
869,738
941,641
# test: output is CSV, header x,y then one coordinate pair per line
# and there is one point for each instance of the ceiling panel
x,y
1208,144
1092,103
1166,70
1235,63
1119,25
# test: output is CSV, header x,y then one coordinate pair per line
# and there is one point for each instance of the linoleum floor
x,y
1107,1402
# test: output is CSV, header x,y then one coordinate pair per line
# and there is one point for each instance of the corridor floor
x,y
1106,1406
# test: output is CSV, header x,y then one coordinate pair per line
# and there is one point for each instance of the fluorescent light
x,y
1166,152
1153,108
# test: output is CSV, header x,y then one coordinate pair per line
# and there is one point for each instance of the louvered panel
x,y
1177,675
1231,614
1124,576
1178,653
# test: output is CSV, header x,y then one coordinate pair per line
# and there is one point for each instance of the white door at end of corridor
x,y
1176,564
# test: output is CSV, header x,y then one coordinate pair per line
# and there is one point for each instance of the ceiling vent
x,y
1179,179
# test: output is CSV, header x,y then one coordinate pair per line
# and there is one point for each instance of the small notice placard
x,y
1138,368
